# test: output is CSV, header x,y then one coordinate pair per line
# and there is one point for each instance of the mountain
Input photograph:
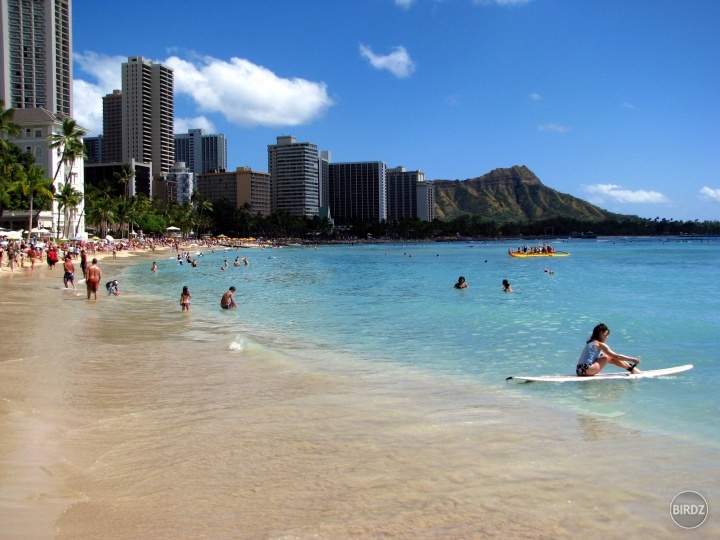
x,y
513,194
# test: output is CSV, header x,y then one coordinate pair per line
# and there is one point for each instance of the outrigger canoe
x,y
538,254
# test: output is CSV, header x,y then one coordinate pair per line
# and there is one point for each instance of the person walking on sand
x,y
596,355
69,276
227,301
185,299
94,275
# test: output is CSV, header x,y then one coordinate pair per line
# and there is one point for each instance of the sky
x,y
616,102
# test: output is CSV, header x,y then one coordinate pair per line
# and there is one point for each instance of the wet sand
x,y
124,418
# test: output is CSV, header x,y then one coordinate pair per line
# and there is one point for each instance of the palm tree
x,y
68,144
10,173
68,199
101,213
124,176
33,183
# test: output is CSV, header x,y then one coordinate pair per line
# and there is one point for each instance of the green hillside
x,y
513,194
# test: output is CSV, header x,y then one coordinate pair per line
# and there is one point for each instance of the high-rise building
x,y
426,201
358,192
147,113
94,147
409,196
293,169
201,153
113,127
240,187
185,180
36,48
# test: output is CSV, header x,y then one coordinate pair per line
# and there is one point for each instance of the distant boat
x,y
539,253
588,234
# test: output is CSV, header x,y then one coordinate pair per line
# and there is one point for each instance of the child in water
x,y
185,299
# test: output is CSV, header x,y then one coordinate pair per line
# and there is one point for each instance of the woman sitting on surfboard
x,y
596,355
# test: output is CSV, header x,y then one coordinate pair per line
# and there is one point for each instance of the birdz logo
x,y
689,509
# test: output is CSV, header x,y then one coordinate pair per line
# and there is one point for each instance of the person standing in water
x,y
461,283
185,299
596,355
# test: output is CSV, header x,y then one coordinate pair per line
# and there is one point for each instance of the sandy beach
x,y
119,420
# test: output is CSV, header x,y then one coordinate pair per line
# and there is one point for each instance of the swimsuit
x,y
92,284
69,276
588,357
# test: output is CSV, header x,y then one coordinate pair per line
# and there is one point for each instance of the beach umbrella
x,y
109,238
13,235
171,228
39,230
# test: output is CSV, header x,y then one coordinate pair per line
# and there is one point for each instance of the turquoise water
x,y
391,306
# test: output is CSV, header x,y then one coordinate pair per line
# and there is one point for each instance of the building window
x,y
38,133
38,152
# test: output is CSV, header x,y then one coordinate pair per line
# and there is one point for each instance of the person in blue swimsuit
x,y
596,355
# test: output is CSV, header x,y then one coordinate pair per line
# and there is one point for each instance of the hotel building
x,y
295,177
147,113
358,192
201,153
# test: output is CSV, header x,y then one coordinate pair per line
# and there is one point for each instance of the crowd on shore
x,y
22,255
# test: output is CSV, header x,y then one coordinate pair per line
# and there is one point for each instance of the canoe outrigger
x,y
540,251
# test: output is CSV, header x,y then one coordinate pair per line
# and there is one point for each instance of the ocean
x,y
356,393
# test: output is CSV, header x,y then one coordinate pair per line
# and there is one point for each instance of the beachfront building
x,y
147,113
295,176
425,201
112,127
36,126
409,196
240,187
97,174
184,179
358,192
201,153
36,51
94,149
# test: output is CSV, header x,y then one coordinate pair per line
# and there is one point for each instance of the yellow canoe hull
x,y
532,255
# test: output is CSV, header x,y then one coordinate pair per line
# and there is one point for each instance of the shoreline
x,y
501,432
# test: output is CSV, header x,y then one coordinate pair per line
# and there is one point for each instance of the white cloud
x,y
404,3
535,96
87,96
553,128
710,193
618,194
244,93
183,125
627,105
397,62
247,94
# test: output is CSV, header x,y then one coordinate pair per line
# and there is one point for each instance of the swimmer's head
x,y
232,288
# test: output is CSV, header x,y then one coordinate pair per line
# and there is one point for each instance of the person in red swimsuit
x,y
94,275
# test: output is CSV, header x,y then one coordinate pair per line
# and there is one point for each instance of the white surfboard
x,y
610,376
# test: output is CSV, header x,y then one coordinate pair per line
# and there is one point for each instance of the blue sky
x,y
613,101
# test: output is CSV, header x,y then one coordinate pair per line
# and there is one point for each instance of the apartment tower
x,y
201,153
295,178
147,113
112,127
358,192
36,47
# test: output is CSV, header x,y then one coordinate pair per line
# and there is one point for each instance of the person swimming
x,y
461,283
